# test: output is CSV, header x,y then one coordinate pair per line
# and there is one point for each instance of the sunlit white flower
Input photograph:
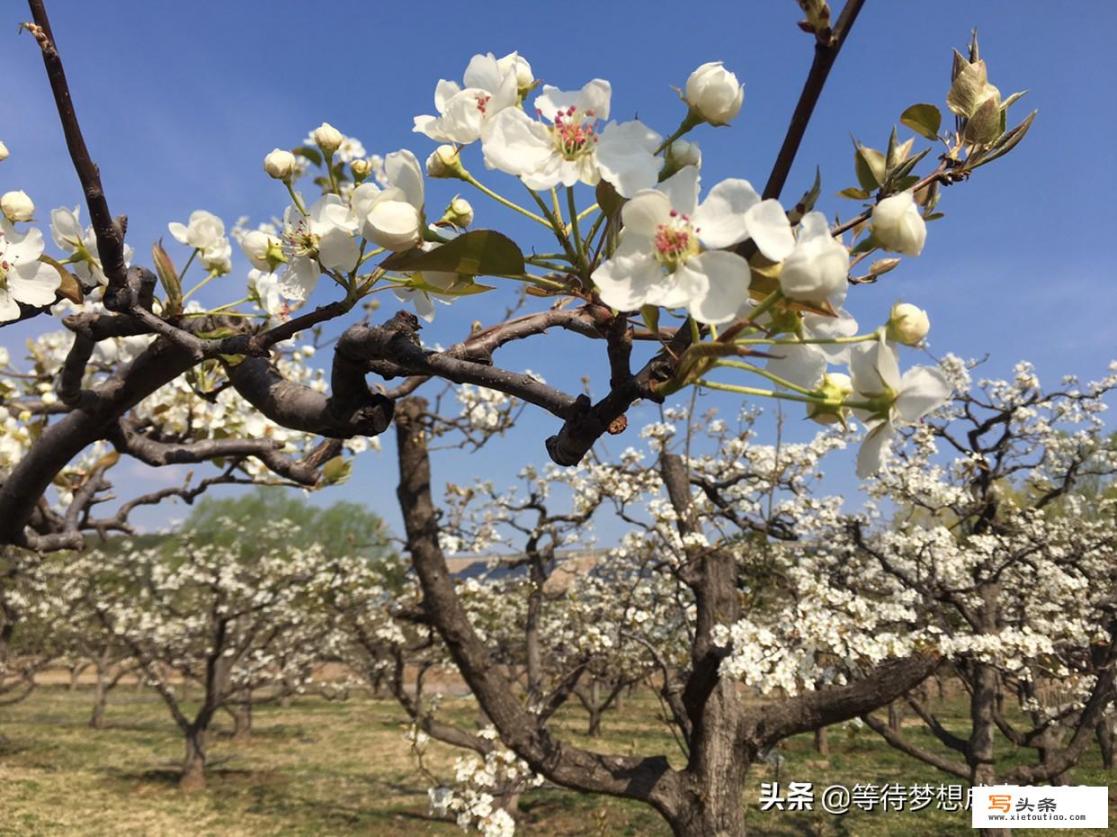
x,y
875,371
3,152
491,86
23,278
714,93
898,226
668,253
324,236
80,244
265,287
263,249
203,230
817,269
572,148
802,364
393,216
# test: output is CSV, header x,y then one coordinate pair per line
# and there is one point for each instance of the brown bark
x,y
194,763
822,741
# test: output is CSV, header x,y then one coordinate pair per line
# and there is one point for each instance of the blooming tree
x,y
726,282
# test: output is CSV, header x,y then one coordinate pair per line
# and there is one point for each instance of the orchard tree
x,y
681,292
206,614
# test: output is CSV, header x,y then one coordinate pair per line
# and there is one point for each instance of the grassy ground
x,y
319,767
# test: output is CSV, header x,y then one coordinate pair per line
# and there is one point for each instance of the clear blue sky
x,y
180,101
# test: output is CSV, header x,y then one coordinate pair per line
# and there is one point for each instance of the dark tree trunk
x,y
895,717
821,742
983,770
1104,733
194,764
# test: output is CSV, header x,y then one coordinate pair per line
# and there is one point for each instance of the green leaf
x,y
608,199
168,277
865,245
870,166
457,289
477,253
809,199
924,119
336,471
310,153
855,194
650,315
1006,142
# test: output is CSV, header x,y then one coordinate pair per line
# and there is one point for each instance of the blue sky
x,y
180,101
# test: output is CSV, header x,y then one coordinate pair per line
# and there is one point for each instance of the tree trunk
x,y
1104,733
821,742
100,698
983,770
242,721
194,764
895,717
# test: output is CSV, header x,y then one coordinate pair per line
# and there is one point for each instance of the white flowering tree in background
x,y
227,621
683,284
1005,551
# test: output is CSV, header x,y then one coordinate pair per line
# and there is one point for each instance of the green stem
x,y
481,187
295,197
764,393
186,267
825,341
585,213
557,210
573,209
213,274
690,121
764,373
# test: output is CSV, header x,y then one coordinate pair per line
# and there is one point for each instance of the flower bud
x,y
17,206
360,168
898,226
280,164
445,161
714,93
3,152
328,138
459,213
836,386
514,62
907,324
680,154
263,250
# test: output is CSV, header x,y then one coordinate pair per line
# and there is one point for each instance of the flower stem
x,y
481,187
213,274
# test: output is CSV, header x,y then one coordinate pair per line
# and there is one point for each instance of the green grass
x,y
319,767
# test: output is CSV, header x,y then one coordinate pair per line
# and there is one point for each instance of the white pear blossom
x,y
491,86
324,236
571,148
802,364
661,258
203,230
714,93
17,206
264,249
80,243
817,269
3,152
875,371
265,287
280,164
393,216
23,278
898,226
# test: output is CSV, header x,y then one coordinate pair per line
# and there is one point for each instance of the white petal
x,y
625,155
444,91
404,173
483,72
9,308
34,283
515,144
721,219
178,231
802,364
770,229
645,212
394,224
593,98
922,390
724,289
871,454
628,283
337,250
681,189
298,281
